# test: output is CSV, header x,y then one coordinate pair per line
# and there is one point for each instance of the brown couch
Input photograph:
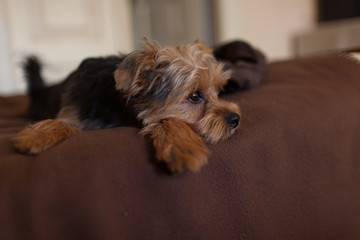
x,y
292,171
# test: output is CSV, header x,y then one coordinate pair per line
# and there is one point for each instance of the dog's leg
x,y
38,137
178,146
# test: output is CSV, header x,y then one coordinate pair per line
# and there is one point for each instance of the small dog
x,y
172,91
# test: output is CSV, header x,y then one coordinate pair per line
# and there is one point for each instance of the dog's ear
x,y
131,74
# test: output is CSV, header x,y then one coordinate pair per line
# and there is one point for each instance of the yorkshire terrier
x,y
172,91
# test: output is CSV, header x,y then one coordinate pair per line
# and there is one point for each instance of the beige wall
x,y
267,24
100,27
336,35
61,33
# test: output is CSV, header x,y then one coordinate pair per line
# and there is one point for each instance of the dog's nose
x,y
232,120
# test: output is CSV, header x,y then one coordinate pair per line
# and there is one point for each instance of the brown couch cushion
x,y
292,171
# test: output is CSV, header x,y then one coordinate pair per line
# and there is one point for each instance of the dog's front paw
x,y
38,137
178,146
180,158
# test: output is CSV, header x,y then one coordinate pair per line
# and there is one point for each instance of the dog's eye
x,y
196,97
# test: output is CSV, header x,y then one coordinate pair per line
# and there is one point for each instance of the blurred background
x,y
64,32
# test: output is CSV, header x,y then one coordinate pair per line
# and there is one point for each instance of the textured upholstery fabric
x,y
292,171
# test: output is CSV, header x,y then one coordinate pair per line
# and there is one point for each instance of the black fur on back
x,y
91,89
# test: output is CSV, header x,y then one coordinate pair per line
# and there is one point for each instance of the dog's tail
x,y
44,100
32,68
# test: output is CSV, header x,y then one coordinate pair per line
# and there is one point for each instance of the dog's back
x,y
90,88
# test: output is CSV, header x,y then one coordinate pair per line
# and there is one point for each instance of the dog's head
x,y
181,82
